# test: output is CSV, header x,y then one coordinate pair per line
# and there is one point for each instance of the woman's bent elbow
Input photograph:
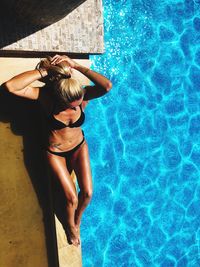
x,y
108,86
8,87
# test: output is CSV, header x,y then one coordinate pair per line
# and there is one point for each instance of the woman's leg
x,y
81,166
58,166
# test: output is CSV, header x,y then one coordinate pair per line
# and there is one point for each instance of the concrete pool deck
x,y
30,234
81,31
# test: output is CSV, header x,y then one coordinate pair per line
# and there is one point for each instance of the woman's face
x,y
72,105
76,103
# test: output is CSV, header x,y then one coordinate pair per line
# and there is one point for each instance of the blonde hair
x,y
65,87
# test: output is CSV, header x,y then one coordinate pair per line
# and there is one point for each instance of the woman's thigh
x,y
58,166
81,165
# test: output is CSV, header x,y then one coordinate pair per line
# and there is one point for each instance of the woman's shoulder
x,y
85,101
84,104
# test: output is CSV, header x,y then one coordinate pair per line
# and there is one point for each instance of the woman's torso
x,y
63,127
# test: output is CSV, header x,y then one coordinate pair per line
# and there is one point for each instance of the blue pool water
x,y
144,138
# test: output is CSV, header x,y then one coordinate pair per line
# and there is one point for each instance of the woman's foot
x,y
73,236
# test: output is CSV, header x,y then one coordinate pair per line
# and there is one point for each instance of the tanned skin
x,y
67,138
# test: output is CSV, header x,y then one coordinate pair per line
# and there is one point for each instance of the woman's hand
x,y
57,59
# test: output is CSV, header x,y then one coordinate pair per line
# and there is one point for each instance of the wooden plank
x,y
24,207
27,227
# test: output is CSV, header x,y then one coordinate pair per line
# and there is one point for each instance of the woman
x,y
63,100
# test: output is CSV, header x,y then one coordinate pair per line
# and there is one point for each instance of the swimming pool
x,y
144,138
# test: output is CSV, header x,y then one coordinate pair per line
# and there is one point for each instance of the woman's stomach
x,y
64,139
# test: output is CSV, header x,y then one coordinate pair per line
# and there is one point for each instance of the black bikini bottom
x,y
68,153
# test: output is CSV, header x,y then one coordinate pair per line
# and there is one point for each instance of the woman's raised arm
x,y
20,84
102,84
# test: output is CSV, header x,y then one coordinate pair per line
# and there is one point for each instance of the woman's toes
x,y
73,236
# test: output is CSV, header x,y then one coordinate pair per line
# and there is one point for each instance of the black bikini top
x,y
55,124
